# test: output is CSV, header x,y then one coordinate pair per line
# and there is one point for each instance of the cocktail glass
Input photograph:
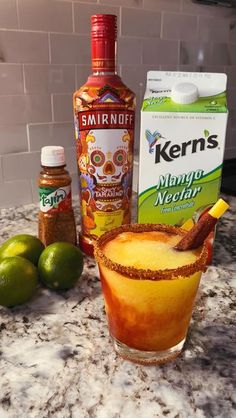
x,y
148,310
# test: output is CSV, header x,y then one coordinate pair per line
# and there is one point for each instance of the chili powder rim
x,y
142,274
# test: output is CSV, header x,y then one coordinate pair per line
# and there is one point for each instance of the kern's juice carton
x,y
183,126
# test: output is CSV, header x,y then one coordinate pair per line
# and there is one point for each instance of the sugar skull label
x,y
105,160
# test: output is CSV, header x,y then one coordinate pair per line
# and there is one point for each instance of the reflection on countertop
x,y
57,360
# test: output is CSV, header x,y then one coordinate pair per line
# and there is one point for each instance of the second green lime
x,y
18,281
60,265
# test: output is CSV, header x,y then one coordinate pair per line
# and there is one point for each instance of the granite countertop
x,y
57,359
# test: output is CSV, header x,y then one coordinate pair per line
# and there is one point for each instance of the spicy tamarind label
x,y
54,200
104,125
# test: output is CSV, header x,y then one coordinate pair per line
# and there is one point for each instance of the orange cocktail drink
x,y
149,289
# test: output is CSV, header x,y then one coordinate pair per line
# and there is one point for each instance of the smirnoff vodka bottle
x,y
104,110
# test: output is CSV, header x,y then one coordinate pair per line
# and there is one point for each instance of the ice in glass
x,y
149,289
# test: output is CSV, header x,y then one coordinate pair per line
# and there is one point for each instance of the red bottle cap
x,y
103,38
104,26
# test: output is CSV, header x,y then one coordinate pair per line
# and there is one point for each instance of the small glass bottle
x,y
56,216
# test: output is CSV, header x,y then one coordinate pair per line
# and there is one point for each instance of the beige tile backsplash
x,y
11,79
49,79
159,52
213,30
8,14
13,138
23,47
129,51
196,53
26,165
45,15
70,49
179,26
140,23
45,54
25,109
41,135
82,72
15,193
1,172
62,107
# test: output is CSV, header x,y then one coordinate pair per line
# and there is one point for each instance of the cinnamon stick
x,y
200,231
197,235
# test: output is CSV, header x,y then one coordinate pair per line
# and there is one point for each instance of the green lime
x,y
23,245
60,265
18,281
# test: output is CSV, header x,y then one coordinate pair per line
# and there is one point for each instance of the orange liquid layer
x,y
148,250
145,314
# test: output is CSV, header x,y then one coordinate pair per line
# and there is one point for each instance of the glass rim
x,y
143,274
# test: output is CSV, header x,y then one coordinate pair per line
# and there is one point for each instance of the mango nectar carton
x,y
183,126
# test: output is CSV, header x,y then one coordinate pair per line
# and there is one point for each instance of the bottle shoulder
x,y
93,93
97,82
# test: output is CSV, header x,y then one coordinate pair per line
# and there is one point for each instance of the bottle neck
x,y
103,55
54,170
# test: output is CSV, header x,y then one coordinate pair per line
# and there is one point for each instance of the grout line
x,y
73,16
41,63
176,12
49,49
179,45
120,8
23,95
101,2
198,27
120,21
142,53
43,31
1,169
28,137
31,188
46,123
140,38
24,83
17,13
52,108
62,94
162,24
86,35
34,186
76,78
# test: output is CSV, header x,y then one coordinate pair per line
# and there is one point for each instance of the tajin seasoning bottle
x,y
104,110
56,216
